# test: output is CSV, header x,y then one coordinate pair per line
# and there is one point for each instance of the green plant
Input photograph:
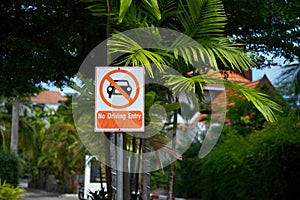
x,y
98,194
9,167
188,173
262,165
10,192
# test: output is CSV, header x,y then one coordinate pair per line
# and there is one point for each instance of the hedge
x,y
263,165
9,168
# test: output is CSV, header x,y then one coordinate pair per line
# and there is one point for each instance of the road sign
x,y
119,99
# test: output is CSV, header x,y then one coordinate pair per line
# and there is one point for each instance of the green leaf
x,y
171,106
180,83
260,100
149,100
205,21
125,4
136,55
152,6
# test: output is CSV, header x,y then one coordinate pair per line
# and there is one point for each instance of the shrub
x,y
10,192
9,167
98,195
262,165
188,173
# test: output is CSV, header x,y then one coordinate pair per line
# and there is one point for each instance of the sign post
x,y
119,168
119,105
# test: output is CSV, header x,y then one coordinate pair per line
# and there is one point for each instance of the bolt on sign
x,y
119,100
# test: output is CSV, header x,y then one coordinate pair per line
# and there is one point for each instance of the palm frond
x,y
191,51
84,86
124,5
261,101
168,8
84,101
180,83
159,145
205,21
4,138
136,55
101,8
96,7
229,54
151,6
202,17
134,18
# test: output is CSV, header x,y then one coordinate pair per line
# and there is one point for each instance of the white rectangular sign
x,y
119,99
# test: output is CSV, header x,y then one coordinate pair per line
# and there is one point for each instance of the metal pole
x,y
120,167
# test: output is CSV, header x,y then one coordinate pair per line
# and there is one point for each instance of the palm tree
x,y
23,134
202,46
4,125
62,147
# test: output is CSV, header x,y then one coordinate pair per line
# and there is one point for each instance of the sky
x,y
271,73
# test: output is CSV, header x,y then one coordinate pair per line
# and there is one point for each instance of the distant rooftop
x,y
235,77
260,83
48,97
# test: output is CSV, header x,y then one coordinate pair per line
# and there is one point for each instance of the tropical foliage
x,y
57,150
45,41
188,173
9,191
34,45
202,45
268,27
9,168
193,18
264,164
48,145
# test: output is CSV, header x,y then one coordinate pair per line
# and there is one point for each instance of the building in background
x,y
48,99
218,95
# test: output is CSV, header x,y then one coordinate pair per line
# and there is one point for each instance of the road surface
x,y
42,195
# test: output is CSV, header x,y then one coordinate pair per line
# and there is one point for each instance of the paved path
x,y
43,195
38,194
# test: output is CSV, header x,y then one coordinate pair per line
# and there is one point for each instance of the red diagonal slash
x,y
119,89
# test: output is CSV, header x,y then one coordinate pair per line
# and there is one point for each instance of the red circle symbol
x,y
108,78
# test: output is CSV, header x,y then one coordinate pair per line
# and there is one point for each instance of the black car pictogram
x,y
124,84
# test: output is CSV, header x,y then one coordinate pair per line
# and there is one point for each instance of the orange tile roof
x,y
237,77
244,78
253,84
230,76
260,83
220,99
47,96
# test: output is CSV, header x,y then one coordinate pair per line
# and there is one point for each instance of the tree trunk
x,y
126,174
132,160
171,179
14,127
146,170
